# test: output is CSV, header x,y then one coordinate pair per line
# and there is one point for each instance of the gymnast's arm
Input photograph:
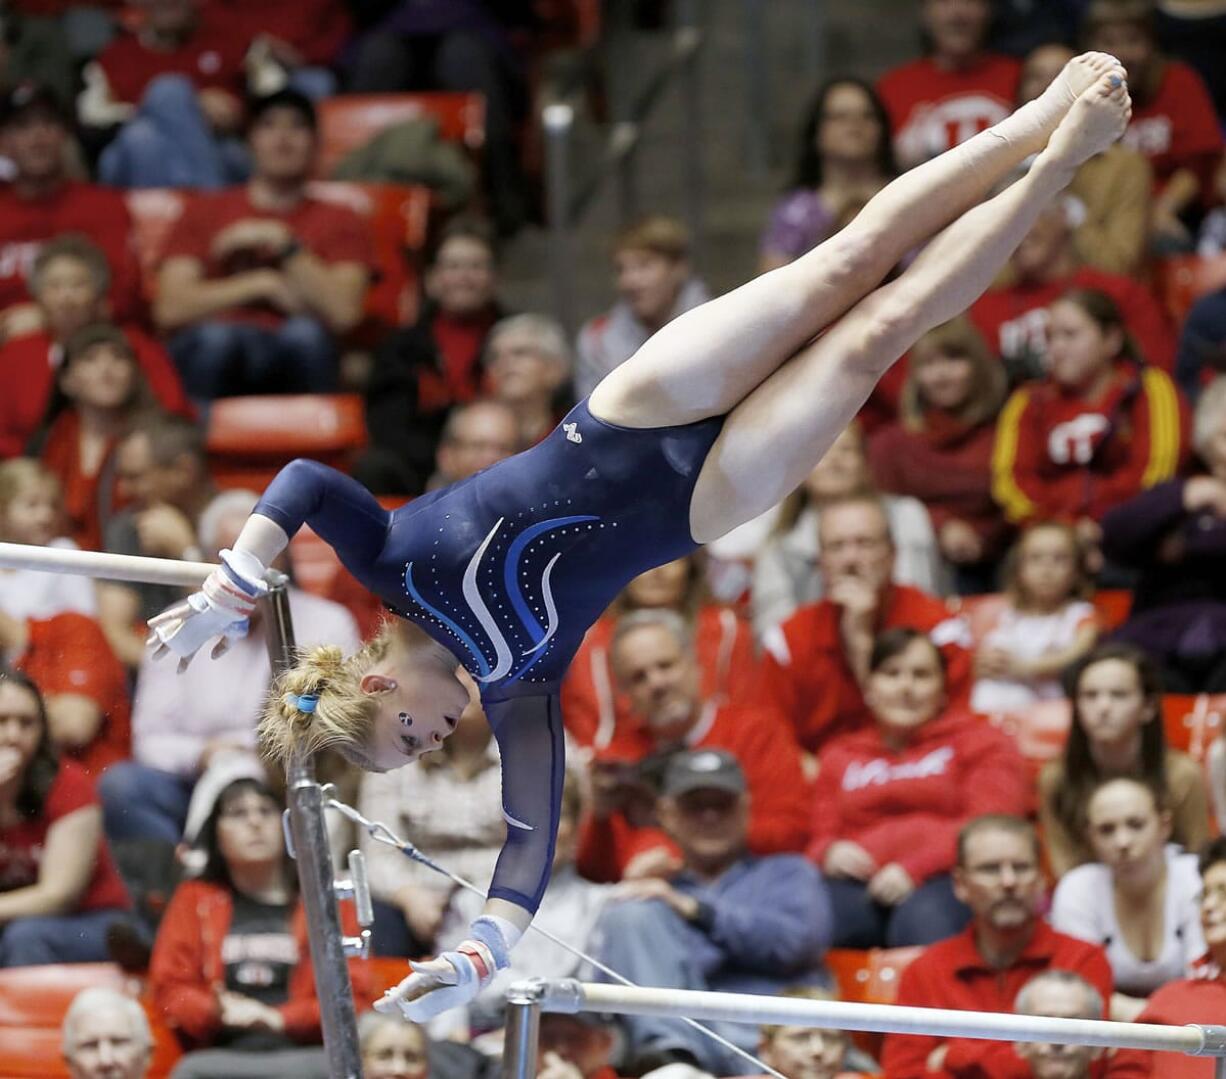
x,y
339,509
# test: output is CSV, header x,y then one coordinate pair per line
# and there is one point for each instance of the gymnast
x,y
715,419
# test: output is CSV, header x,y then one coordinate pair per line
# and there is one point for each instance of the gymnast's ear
x,y
377,683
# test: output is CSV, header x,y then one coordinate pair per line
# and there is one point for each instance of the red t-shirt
x,y
932,110
805,671
1014,320
69,653
952,974
460,342
330,232
1198,999
27,376
22,845
316,28
99,213
211,58
1178,129
907,805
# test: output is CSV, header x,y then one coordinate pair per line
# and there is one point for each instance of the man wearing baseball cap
x,y
42,202
726,920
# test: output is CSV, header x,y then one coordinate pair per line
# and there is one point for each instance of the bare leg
x,y
774,437
705,362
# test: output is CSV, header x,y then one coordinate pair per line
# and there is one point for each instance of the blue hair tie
x,y
305,703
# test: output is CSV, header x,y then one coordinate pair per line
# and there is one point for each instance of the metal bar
x,y
111,567
572,996
311,850
519,1048
559,121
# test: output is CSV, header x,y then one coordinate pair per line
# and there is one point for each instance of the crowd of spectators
x,y
802,738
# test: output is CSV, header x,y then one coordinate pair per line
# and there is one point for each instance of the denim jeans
x,y
169,143
647,942
930,913
139,802
227,359
67,938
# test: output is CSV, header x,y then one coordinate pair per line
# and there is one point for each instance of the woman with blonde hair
x,y
940,449
715,419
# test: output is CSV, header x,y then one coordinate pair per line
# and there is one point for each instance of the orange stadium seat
x,y
154,210
869,977
1112,605
1183,279
250,438
33,1001
1040,732
1192,721
351,120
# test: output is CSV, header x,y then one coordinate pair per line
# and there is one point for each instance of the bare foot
x,y
1096,120
1077,76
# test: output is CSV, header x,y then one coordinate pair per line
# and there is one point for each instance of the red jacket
x,y
948,467
907,805
779,793
186,971
1198,999
952,974
1059,456
805,671
1014,319
599,716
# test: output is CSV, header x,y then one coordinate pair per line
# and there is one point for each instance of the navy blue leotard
x,y
508,569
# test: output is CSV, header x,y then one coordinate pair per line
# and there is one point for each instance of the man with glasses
x,y
983,968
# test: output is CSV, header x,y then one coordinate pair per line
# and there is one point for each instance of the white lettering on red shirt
x,y
879,771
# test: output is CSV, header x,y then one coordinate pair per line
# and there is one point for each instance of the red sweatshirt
x,y
952,974
599,716
779,793
948,467
932,109
1014,320
1060,456
805,671
907,805
1178,129
1198,999
186,971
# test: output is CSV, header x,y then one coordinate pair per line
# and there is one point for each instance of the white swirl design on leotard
x,y
551,609
502,650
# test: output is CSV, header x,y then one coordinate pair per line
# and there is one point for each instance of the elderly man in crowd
x,y
106,1036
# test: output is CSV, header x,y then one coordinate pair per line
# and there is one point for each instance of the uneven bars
x,y
572,996
112,567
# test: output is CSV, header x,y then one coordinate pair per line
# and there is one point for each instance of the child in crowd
x,y
32,511
1046,624
1117,731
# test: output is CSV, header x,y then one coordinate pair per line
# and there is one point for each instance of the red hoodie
x,y
907,805
807,678
186,971
1061,456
